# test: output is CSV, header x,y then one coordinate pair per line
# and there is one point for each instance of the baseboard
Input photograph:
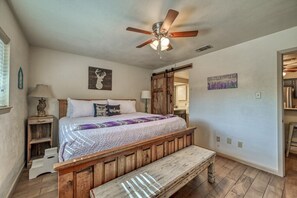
x,y
11,190
272,171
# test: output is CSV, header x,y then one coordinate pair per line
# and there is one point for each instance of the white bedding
x,y
78,143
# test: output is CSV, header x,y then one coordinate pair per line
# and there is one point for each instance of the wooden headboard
x,y
63,105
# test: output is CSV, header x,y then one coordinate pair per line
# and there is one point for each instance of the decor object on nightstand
x,y
146,95
40,136
20,78
45,164
42,92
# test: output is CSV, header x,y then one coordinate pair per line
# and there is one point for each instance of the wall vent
x,y
206,47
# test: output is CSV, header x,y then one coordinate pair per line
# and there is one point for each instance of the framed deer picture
x,y
100,79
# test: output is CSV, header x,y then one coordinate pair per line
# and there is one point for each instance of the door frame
x,y
280,112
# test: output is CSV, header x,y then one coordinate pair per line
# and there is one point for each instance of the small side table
x,y
291,143
40,136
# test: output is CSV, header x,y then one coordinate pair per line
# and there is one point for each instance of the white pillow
x,y
69,108
126,106
99,101
82,108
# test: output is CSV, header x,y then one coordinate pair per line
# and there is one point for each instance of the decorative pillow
x,y
126,106
100,110
113,110
81,108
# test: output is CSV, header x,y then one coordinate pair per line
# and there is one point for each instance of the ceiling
x,y
97,28
182,74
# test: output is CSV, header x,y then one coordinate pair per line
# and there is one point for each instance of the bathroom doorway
x,y
181,94
289,85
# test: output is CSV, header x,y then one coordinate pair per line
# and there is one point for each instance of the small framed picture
x,y
100,79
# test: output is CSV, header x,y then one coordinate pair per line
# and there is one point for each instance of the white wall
x,y
67,74
235,113
12,125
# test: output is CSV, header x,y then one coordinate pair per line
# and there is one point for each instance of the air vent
x,y
206,47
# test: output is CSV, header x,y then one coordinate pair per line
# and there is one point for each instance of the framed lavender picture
x,y
227,81
100,79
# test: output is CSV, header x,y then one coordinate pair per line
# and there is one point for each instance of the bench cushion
x,y
160,176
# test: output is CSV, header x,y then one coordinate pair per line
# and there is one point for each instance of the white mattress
x,y
78,143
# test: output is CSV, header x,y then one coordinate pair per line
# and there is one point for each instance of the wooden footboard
x,y
76,177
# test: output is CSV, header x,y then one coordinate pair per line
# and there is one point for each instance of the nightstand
x,y
40,136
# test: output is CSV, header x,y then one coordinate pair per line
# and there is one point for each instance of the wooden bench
x,y
161,178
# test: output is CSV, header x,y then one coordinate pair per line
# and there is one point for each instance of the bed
x,y
76,143
92,156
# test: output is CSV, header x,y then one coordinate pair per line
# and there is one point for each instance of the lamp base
x,y
145,106
40,107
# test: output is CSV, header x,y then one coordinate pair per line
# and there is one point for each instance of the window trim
x,y
4,110
6,40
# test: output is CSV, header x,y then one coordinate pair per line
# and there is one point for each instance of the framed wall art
x,y
100,79
227,81
20,79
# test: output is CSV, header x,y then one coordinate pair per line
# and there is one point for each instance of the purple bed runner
x,y
122,122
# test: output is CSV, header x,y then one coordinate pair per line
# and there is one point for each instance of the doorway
x,y
170,92
181,94
289,87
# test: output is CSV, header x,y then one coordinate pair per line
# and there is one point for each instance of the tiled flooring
x,y
232,180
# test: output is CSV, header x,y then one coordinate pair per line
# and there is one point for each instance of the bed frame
x,y
78,176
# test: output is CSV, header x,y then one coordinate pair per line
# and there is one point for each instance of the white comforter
x,y
78,143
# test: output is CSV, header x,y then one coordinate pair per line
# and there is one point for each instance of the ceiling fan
x,y
160,41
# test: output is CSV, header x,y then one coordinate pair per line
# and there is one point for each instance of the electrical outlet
x,y
229,141
258,95
240,144
218,139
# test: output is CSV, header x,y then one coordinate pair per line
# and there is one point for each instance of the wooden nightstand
x,y
40,136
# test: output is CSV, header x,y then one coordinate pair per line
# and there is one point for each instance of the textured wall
x,y
67,74
235,113
12,125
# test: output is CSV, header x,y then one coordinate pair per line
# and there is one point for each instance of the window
x,y
4,71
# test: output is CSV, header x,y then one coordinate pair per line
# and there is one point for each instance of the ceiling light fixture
x,y
164,44
284,73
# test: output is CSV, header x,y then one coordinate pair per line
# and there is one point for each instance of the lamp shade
x,y
164,44
145,94
41,91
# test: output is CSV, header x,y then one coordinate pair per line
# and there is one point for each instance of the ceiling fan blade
x,y
170,17
145,43
138,30
289,70
184,34
169,47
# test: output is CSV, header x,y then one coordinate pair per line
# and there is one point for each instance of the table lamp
x,y
145,94
42,92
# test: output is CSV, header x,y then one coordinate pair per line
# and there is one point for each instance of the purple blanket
x,y
122,122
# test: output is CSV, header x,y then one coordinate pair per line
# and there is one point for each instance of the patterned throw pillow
x,y
100,110
113,110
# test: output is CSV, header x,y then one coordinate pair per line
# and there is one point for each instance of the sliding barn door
x,y
162,93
